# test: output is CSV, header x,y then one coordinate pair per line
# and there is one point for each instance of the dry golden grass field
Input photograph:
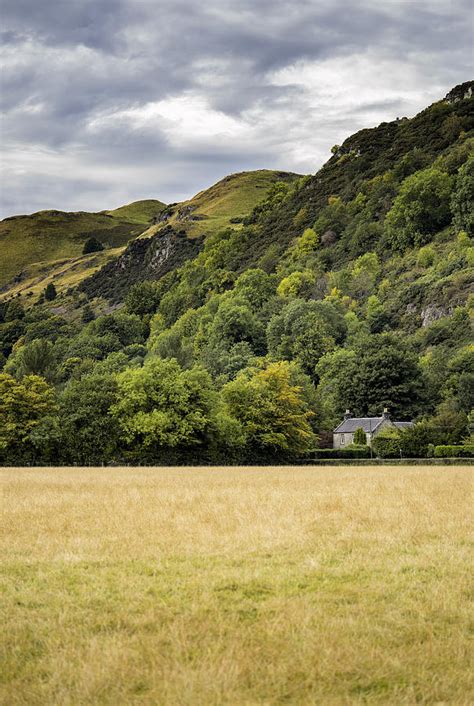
x,y
203,587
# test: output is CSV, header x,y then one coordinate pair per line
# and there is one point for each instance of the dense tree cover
x,y
254,347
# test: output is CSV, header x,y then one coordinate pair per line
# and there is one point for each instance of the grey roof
x,y
368,424
348,426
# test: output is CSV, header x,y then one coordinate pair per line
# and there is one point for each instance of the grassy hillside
x,y
47,236
181,229
64,273
138,211
223,205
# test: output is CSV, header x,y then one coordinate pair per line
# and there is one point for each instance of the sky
x,y
108,101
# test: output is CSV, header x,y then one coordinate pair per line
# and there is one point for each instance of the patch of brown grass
x,y
236,586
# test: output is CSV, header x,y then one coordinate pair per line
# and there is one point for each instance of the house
x,y
343,434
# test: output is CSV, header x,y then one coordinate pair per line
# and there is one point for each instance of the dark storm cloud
x,y
118,99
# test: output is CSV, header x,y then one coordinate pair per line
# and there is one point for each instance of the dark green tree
x,y
35,358
462,202
89,433
92,245
383,372
50,292
143,298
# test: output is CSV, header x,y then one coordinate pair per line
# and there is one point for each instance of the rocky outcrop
x,y
462,92
144,259
433,313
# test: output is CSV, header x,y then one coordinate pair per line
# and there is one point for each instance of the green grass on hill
x,y
233,197
138,211
53,235
64,273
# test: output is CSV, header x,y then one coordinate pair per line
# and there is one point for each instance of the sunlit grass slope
x,y
236,586
234,197
138,211
53,235
63,273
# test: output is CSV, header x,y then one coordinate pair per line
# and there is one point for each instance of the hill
x,y
226,203
143,212
181,230
239,328
51,235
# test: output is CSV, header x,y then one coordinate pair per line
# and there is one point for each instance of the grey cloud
x,y
70,63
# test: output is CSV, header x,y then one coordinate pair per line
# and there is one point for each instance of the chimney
x,y
386,414
347,415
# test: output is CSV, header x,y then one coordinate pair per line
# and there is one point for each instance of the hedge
x,y
354,452
466,451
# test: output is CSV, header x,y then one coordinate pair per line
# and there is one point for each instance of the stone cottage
x,y
343,434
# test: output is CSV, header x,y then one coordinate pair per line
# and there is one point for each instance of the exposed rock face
x,y
462,92
432,313
146,258
328,238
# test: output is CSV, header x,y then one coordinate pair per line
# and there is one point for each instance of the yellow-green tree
x,y
271,409
26,408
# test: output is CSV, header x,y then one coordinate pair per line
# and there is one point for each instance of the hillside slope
x,y
52,235
181,229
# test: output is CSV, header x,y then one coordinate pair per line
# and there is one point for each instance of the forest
x,y
348,289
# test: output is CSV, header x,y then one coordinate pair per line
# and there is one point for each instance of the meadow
x,y
209,586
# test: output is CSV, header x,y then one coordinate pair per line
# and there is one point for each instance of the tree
x,y
271,409
92,245
360,437
296,284
420,210
143,298
89,433
162,407
382,372
235,322
50,292
87,314
24,407
35,358
305,331
126,328
462,202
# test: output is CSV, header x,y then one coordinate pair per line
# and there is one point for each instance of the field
x,y
236,586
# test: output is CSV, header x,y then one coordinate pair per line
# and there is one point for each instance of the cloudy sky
x,y
109,101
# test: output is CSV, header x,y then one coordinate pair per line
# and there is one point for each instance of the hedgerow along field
x,y
236,586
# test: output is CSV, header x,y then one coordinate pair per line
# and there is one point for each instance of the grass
x,y
233,197
138,211
236,586
63,273
49,236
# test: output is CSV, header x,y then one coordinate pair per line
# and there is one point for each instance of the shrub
x,y
387,443
50,292
92,245
466,451
352,451
360,437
